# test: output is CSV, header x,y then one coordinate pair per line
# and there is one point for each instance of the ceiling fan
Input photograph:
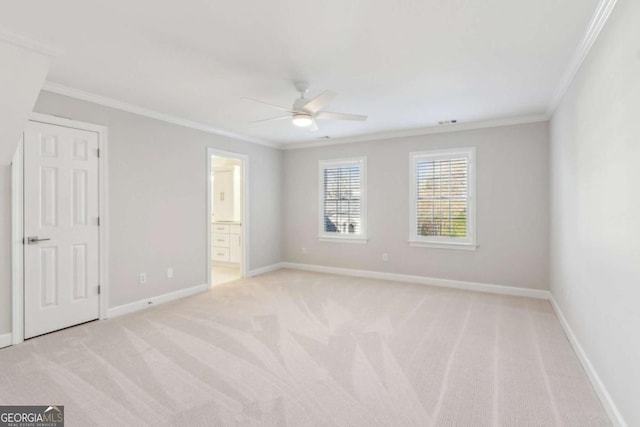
x,y
305,112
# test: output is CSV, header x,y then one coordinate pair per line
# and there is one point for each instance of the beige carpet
x,y
303,349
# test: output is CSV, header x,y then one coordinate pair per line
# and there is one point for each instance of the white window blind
x,y
442,203
342,196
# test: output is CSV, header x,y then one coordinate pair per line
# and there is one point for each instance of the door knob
x,y
34,240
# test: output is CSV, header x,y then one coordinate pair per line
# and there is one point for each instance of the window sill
x,y
360,240
434,245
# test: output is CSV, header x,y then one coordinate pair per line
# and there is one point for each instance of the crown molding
x,y
29,43
142,111
598,20
458,127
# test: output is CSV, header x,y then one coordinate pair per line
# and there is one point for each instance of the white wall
x,y
23,70
158,192
595,206
5,249
22,75
512,208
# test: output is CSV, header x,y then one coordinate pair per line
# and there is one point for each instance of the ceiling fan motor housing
x,y
299,103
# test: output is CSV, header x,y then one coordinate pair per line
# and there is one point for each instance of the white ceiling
x,y
405,63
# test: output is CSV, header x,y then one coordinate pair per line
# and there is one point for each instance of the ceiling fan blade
x,y
313,127
272,119
319,101
328,115
277,107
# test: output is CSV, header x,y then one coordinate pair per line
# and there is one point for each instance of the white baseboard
x,y
6,340
446,283
160,299
265,269
601,391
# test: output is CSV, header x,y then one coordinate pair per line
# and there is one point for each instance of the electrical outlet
x,y
385,257
143,278
169,273
304,250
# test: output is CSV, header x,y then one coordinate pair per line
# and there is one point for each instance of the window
x,y
343,200
442,204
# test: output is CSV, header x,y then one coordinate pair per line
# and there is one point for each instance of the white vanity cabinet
x,y
226,242
226,194
235,243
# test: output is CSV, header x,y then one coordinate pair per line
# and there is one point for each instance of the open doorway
x,y
227,216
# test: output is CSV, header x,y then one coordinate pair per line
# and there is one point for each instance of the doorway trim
x,y
17,221
244,158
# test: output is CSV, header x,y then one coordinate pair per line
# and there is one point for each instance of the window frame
x,y
443,242
324,236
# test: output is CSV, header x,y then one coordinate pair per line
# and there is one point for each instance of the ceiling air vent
x,y
324,137
447,122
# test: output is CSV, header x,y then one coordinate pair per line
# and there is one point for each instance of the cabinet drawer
x,y
221,254
220,240
220,228
235,228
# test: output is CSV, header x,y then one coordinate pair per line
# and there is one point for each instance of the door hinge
x,y
98,221
98,289
98,151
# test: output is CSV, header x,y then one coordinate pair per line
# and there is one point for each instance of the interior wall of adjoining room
x,y
595,182
511,196
157,195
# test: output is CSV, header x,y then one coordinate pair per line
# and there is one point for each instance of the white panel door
x,y
61,228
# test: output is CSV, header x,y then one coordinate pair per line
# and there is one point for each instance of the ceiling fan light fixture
x,y
305,112
302,120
